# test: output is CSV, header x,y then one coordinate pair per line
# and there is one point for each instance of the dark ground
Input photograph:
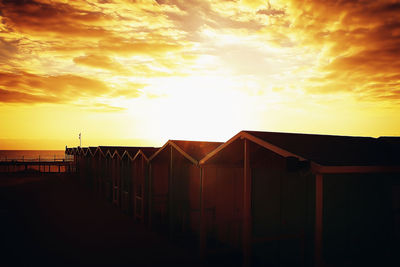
x,y
52,220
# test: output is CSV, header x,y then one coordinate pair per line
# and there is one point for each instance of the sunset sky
x,y
127,72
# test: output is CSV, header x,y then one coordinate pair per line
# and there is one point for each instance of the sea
x,y
32,154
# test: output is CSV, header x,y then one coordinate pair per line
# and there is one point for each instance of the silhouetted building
x,y
175,187
297,199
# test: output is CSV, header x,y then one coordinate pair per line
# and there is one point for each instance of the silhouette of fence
x,y
44,165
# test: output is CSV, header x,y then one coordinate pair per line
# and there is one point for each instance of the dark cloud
x,y
57,18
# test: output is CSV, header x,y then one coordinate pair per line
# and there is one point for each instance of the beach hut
x,y
134,180
282,199
90,165
140,164
174,187
82,163
70,156
107,182
99,161
126,178
116,177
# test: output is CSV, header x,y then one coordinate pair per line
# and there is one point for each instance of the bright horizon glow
x,y
138,74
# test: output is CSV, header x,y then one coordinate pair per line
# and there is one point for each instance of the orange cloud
x,y
361,40
52,89
101,62
8,96
52,17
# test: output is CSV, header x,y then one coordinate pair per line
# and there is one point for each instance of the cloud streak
x,y
360,40
69,51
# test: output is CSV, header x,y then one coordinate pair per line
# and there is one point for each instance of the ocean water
x,y
32,154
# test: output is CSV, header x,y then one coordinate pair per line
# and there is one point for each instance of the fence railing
x,y
36,159
40,164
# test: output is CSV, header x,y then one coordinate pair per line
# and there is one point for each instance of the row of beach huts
x,y
261,198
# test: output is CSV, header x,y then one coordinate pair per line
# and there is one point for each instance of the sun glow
x,y
157,70
198,108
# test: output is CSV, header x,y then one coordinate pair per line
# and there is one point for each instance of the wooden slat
x,y
246,238
318,220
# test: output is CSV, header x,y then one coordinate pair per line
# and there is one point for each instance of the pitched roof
x,y
331,149
149,151
130,152
192,150
327,150
197,149
111,149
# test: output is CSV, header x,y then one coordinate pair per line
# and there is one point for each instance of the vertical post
x,y
318,220
134,189
202,237
247,231
150,195
143,189
170,198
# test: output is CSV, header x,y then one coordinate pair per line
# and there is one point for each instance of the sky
x,y
126,72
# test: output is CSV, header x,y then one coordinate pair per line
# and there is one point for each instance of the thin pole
x,y
247,206
203,232
318,219
150,195
170,200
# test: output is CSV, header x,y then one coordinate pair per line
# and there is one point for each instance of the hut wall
x,y
99,173
139,189
223,202
108,179
102,175
116,181
185,209
159,194
282,208
359,216
194,201
126,185
91,171
81,167
281,217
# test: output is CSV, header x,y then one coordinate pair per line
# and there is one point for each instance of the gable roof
x,y
192,150
327,150
149,151
146,152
